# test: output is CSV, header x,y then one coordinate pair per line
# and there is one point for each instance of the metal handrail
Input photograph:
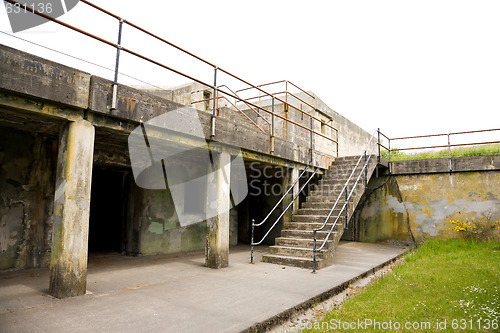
x,y
237,109
119,48
286,92
218,97
449,145
276,82
249,106
252,243
347,198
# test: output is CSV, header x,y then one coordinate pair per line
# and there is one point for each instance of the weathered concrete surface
x,y
175,293
27,177
31,75
438,165
68,263
38,96
153,226
217,249
42,85
427,202
231,128
352,139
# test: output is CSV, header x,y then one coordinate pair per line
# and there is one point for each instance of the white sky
x,y
408,67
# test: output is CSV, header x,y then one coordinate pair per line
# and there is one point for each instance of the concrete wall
x,y
27,178
427,202
38,97
352,139
153,226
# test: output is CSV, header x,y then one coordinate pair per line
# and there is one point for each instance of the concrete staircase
x,y
295,246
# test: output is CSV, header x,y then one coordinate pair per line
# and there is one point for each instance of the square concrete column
x,y
217,247
286,182
68,263
295,174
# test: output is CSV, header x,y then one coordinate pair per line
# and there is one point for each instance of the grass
x,y
455,281
476,150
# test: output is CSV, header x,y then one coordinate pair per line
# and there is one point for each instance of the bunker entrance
x,y
107,217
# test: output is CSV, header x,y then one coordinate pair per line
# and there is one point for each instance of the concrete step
x,y
305,234
351,164
312,226
298,252
315,204
323,211
334,190
300,242
352,158
294,247
340,182
292,261
312,218
341,168
347,158
325,198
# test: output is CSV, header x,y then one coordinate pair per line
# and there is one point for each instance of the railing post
x,y
117,64
366,172
214,107
314,251
272,125
311,127
346,207
390,163
251,241
378,143
449,152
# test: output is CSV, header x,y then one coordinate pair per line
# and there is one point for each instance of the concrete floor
x,y
175,293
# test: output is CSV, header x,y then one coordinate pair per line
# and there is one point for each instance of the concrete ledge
x,y
442,165
31,75
140,106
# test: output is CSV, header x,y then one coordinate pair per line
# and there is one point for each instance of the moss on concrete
x,y
429,202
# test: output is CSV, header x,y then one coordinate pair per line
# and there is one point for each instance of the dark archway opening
x,y
106,229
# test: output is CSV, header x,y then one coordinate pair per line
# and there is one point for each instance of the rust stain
x,y
130,104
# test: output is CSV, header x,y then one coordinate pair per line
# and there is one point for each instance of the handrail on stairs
x,y
252,243
344,191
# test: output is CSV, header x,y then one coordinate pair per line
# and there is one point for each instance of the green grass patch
x,y
476,150
444,286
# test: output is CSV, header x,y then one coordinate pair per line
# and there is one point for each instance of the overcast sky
x,y
408,67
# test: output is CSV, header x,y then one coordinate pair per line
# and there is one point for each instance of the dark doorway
x,y
106,212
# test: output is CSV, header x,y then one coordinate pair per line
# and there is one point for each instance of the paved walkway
x,y
175,293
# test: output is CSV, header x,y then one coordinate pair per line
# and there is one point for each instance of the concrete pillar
x,y
217,248
68,264
287,181
295,174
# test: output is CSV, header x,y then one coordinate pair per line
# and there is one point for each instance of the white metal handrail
x,y
347,198
252,243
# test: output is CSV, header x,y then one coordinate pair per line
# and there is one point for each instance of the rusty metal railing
x,y
287,93
449,145
234,105
217,89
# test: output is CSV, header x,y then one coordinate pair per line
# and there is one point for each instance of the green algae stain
x,y
156,228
